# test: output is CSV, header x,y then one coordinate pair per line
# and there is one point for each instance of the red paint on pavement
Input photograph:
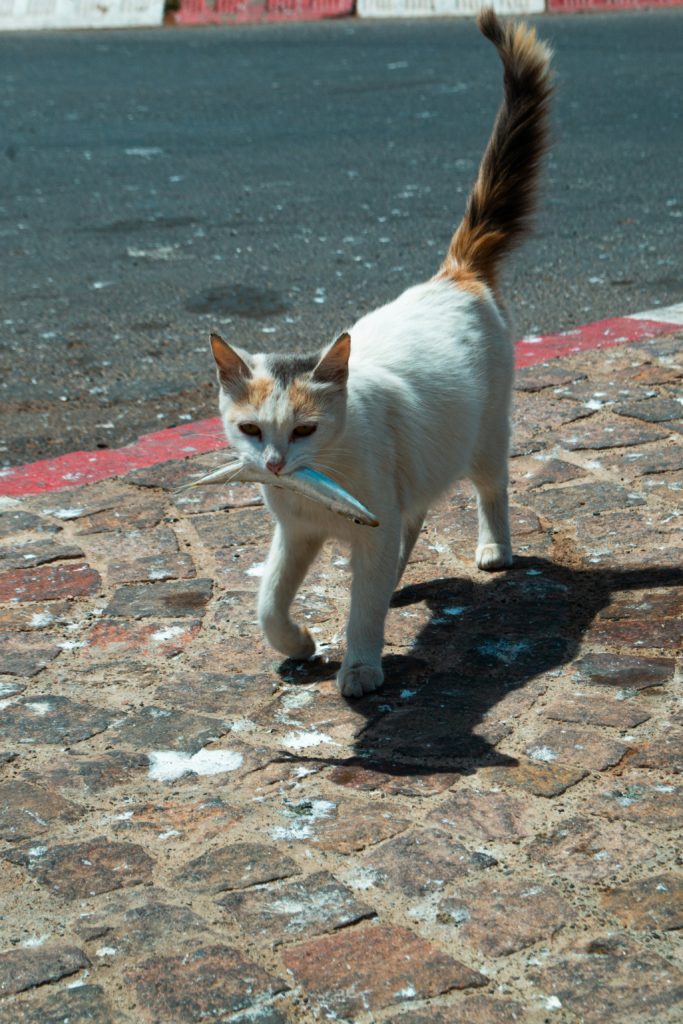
x,y
207,435
600,334
236,12
88,467
568,6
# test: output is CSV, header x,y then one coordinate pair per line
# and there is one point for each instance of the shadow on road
x,y
477,663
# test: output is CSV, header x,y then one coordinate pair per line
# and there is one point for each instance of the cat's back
x,y
432,328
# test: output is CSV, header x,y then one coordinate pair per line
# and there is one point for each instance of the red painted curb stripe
x,y
240,12
88,467
600,334
78,468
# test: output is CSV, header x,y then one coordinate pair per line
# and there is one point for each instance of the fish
x,y
309,483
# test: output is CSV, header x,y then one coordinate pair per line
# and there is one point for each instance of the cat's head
x,y
280,411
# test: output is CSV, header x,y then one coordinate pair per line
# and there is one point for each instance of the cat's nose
x,y
275,465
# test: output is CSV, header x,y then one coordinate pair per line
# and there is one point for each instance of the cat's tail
x,y
500,204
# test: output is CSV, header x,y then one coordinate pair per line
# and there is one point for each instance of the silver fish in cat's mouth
x,y
308,483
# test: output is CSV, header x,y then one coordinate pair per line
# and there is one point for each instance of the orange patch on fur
x,y
303,400
258,390
462,277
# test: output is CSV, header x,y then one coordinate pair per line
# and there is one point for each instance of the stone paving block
x,y
545,375
341,826
11,689
456,733
665,751
610,432
86,1004
528,474
38,552
654,903
421,862
583,747
226,693
627,672
72,770
587,850
167,476
205,983
240,569
137,512
512,656
50,582
233,529
651,410
112,640
611,988
197,814
653,459
508,915
656,604
635,798
620,710
214,497
136,555
471,1009
663,635
27,810
21,969
154,728
16,521
25,656
394,780
537,415
45,718
160,600
358,971
237,866
290,910
153,926
484,816
546,780
79,870
583,500
32,617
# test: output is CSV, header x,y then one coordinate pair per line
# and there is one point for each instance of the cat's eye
x,y
304,430
250,429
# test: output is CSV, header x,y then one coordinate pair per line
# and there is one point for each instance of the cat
x,y
413,397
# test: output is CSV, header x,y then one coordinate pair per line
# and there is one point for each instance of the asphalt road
x,y
275,182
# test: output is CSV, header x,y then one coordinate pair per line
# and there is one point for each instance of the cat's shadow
x,y
487,652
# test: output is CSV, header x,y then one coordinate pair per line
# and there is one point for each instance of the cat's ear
x,y
232,369
333,367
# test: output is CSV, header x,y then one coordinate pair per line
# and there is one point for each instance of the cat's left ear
x,y
333,367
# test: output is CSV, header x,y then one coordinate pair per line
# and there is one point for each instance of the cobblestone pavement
x,y
191,830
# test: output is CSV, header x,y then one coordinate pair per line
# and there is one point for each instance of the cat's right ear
x,y
333,367
233,372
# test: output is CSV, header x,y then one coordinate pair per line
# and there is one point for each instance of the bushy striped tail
x,y
500,204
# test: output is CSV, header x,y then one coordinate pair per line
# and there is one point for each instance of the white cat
x,y
413,397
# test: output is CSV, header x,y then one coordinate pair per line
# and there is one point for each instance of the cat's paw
x,y
295,642
356,679
490,557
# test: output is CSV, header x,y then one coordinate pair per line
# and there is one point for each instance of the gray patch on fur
x,y
285,369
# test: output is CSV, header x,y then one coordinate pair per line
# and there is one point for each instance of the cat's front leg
x,y
289,559
374,562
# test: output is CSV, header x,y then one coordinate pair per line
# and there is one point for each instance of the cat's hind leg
x,y
494,548
288,562
411,531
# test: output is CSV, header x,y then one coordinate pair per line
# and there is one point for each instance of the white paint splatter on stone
x,y
169,765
